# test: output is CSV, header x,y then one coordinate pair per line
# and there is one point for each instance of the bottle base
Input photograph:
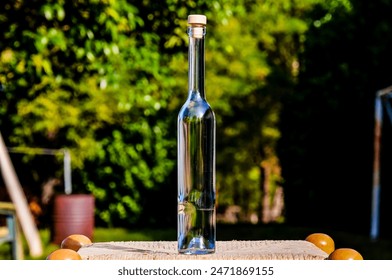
x,y
197,246
194,251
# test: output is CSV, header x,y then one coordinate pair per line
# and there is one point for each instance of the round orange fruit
x,y
322,241
345,254
64,254
75,242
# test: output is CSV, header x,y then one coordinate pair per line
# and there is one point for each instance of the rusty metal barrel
x,y
72,214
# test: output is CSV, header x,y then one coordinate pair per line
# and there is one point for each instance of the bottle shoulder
x,y
196,107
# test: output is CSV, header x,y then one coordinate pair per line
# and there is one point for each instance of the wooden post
x,y
376,188
18,197
374,226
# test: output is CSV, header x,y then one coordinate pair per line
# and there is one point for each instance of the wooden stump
x,y
225,250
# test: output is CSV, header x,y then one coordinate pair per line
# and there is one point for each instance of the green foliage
x,y
106,78
250,59
85,75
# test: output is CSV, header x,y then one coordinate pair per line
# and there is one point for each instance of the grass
x,y
377,250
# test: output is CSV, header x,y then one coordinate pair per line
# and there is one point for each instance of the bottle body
x,y
196,177
196,128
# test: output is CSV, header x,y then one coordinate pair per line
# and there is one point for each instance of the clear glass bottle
x,y
196,154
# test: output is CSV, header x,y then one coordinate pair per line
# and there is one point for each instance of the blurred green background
x,y
292,83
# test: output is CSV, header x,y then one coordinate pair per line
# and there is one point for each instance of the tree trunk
x,y
270,211
266,194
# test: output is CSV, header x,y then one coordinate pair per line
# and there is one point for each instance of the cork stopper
x,y
197,20
197,25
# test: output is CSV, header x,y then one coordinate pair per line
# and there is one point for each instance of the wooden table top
x,y
225,250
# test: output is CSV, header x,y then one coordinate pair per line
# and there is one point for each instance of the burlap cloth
x,y
225,250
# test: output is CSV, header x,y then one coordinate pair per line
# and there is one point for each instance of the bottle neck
x,y
196,59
